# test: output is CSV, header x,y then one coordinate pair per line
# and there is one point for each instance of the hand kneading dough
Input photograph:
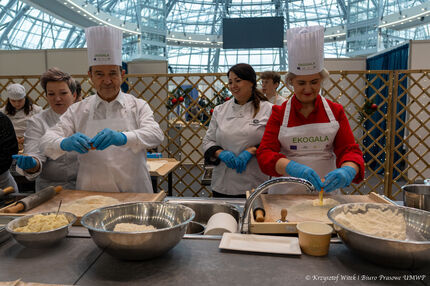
x,y
84,205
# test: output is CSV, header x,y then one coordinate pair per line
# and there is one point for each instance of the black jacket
x,y
8,143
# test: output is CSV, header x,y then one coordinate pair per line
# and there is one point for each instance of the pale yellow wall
x,y
22,62
345,64
139,67
73,61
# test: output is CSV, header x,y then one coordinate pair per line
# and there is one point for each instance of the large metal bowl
x,y
170,220
39,239
417,196
413,252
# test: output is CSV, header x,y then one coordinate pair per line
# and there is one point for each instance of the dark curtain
x,y
396,59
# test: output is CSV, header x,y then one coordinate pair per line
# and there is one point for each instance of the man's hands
x,y
81,143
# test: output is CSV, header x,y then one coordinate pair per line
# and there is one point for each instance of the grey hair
x,y
290,76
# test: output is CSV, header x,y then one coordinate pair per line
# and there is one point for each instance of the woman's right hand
x,y
304,172
228,158
25,162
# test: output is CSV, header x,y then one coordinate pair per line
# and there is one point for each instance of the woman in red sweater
x,y
309,136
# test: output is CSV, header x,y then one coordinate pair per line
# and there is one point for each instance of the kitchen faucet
x,y
244,220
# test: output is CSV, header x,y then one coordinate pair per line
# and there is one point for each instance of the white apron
x,y
117,168
310,145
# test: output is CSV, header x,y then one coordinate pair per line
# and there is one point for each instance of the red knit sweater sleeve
x,y
268,152
344,145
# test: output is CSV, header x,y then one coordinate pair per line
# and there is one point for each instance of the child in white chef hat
x,y
19,107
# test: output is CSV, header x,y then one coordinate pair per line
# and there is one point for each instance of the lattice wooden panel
x,y
394,137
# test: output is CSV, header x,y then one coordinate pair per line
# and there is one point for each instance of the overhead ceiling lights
x,y
84,8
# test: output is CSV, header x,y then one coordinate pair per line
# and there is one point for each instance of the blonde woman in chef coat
x,y
60,89
235,131
309,136
19,108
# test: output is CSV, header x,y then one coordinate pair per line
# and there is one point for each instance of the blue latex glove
x,y
108,137
339,178
304,172
228,158
242,160
77,142
25,162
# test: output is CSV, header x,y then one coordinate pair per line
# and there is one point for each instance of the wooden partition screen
x,y
389,113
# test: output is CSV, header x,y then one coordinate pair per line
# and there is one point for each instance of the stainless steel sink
x,y
204,209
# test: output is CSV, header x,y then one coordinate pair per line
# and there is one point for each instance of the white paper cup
x,y
220,223
314,237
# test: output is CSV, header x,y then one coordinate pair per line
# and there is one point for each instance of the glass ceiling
x,y
359,26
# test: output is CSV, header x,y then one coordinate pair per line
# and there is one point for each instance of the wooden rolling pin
x,y
258,210
34,200
6,191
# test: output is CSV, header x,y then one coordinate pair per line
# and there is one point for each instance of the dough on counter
x,y
40,223
84,205
327,202
132,227
311,209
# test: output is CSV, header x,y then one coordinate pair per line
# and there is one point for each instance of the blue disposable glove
x,y
108,137
77,142
242,160
25,162
304,172
228,158
339,178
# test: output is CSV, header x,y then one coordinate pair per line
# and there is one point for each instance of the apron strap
x,y
287,113
327,109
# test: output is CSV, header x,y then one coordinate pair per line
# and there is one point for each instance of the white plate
x,y
260,243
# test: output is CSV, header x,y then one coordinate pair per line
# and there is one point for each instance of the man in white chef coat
x,y
110,130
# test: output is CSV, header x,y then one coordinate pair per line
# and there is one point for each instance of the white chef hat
x,y
15,91
305,50
104,46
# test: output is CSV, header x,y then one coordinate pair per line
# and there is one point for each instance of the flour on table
x,y
154,165
132,227
84,205
311,209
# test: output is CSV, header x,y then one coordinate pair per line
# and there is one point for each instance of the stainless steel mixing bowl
x,y
413,252
39,239
171,221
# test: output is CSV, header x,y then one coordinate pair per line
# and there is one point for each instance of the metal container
x,y
204,209
417,195
413,252
195,228
171,221
39,239
4,220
